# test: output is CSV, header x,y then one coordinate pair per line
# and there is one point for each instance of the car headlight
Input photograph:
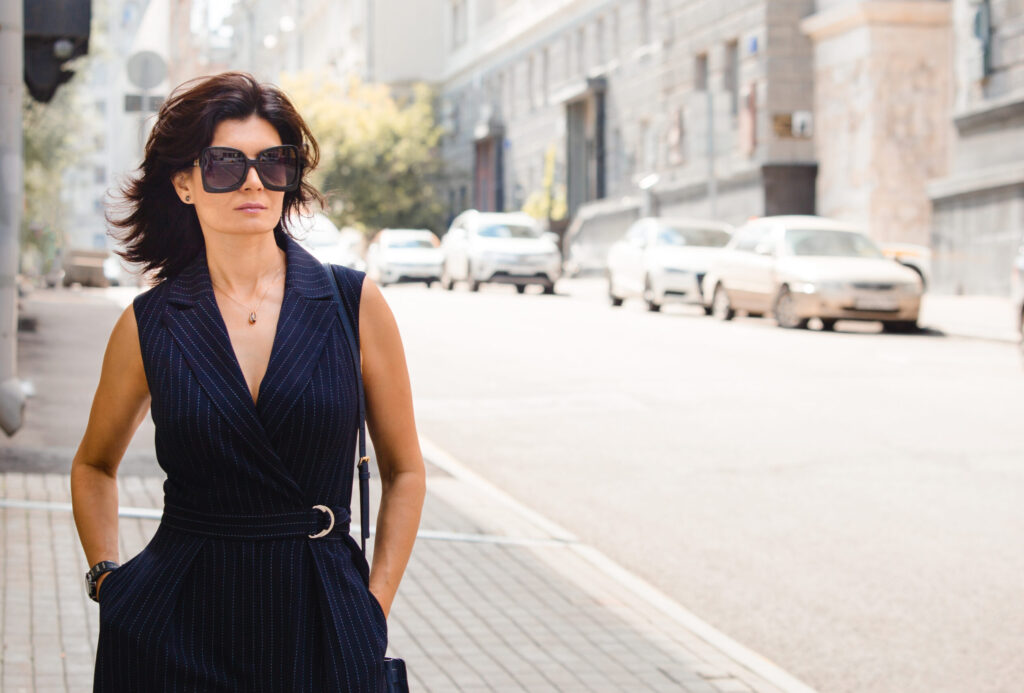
x,y
817,287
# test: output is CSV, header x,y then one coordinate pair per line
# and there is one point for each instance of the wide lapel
x,y
305,323
195,323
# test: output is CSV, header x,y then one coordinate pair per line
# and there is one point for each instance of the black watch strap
x,y
94,574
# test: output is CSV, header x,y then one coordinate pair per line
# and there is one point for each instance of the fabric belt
x,y
315,523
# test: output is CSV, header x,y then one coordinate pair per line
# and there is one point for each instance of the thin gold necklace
x,y
252,312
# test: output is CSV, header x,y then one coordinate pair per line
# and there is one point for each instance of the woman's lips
x,y
251,208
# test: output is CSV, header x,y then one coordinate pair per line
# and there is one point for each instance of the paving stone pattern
x,y
470,615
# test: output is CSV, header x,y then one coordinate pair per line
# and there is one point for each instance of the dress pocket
x,y
382,620
112,583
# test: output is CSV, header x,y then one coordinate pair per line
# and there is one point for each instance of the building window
x,y
567,57
458,25
545,69
700,72
732,75
513,96
581,50
531,84
615,32
645,22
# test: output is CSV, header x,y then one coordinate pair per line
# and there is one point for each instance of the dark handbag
x,y
394,668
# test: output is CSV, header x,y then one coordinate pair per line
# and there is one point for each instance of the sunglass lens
x,y
223,168
279,166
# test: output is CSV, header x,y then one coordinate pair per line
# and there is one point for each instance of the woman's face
x,y
250,209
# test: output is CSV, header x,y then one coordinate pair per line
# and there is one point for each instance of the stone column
x,y
883,99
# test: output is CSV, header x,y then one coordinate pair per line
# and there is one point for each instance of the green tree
x,y
379,163
54,138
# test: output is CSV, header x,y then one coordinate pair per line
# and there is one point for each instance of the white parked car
x,y
663,260
404,255
802,267
507,248
916,257
318,234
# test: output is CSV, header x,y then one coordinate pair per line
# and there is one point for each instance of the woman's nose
x,y
252,180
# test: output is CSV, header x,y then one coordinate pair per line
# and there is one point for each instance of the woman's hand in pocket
x,y
99,582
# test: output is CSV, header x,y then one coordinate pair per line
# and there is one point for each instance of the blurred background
x,y
730,289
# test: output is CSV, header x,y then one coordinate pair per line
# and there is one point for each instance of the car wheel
x,y
785,311
520,288
721,307
549,288
652,305
899,326
828,324
616,300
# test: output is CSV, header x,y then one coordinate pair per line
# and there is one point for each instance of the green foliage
x,y
54,138
379,162
549,202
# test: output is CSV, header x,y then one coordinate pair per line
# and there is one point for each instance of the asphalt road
x,y
850,504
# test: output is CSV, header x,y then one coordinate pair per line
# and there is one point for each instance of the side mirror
x,y
764,249
551,236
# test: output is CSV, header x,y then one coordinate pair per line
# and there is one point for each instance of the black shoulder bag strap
x,y
395,676
364,462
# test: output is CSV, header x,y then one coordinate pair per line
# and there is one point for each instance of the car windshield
x,y
508,231
410,243
710,238
822,243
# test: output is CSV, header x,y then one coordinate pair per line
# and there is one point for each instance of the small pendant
x,y
252,318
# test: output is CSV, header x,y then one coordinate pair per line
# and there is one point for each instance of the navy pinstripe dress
x,y
231,594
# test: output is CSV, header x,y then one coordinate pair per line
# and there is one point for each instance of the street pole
x,y
12,397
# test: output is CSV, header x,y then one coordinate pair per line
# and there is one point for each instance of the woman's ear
x,y
182,181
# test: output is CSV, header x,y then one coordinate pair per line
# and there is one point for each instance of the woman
x,y
242,359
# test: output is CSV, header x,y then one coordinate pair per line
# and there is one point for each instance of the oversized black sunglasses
x,y
225,169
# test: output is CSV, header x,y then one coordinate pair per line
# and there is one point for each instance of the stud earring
x,y
187,198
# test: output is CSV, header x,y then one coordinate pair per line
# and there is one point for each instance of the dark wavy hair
x,y
158,230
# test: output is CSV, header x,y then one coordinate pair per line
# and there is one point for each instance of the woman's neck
x,y
240,263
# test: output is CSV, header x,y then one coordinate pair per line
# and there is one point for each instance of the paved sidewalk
x,y
495,597
478,610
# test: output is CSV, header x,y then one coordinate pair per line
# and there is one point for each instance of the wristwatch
x,y
93,575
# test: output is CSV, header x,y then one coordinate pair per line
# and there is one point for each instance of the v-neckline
x,y
274,346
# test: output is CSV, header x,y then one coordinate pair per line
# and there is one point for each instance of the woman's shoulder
x,y
150,301
348,275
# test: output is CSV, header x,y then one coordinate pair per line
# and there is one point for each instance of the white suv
x,y
497,247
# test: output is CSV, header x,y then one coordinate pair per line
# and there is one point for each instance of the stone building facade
x,y
979,204
882,88
708,102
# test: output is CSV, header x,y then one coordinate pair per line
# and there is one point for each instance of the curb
x,y
742,655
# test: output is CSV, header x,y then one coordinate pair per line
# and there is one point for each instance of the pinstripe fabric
x,y
204,613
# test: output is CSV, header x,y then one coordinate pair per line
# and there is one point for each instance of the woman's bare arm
x,y
389,417
119,406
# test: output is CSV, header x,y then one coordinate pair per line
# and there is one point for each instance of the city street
x,y
846,504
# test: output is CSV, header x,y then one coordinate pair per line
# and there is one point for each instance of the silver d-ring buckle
x,y
324,532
